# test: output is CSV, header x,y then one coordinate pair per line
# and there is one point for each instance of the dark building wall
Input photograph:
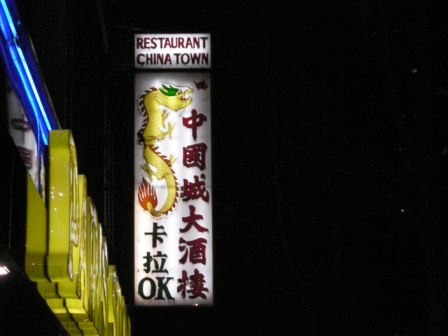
x,y
68,43
22,309
92,97
66,73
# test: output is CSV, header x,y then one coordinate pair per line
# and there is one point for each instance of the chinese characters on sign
x,y
173,194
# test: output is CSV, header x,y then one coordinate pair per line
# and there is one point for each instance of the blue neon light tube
x,y
23,70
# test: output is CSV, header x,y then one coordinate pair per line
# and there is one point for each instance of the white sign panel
x,y
173,192
172,51
25,140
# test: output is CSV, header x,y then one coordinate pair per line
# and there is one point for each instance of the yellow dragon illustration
x,y
155,129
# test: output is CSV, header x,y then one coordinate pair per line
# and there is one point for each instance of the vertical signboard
x,y
172,187
25,140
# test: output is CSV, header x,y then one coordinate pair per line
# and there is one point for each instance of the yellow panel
x,y
115,301
96,280
83,240
48,290
63,187
92,259
36,234
77,311
73,329
123,315
72,289
57,306
64,318
61,311
88,328
86,264
75,306
111,331
119,314
111,295
103,282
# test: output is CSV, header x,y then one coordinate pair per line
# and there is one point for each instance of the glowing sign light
x,y
22,68
4,270
173,229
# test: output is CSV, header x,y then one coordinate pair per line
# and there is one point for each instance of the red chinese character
x,y
194,121
194,190
194,155
192,221
194,285
194,250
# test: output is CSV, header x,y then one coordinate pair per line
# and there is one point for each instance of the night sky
x,y
330,175
330,169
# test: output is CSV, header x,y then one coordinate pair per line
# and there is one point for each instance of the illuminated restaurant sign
x,y
173,193
172,51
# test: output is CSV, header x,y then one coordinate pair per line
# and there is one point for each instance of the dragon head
x,y
173,97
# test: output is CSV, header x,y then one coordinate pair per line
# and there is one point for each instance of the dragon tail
x,y
147,194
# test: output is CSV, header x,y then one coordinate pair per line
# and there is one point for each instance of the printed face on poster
x,y
173,191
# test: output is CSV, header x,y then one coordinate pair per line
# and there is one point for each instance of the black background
x,y
330,143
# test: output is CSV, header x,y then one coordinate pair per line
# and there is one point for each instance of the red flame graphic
x,y
147,193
